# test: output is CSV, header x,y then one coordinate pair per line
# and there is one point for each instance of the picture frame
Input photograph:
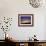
x,y
25,20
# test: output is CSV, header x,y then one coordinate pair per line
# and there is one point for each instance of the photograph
x,y
25,20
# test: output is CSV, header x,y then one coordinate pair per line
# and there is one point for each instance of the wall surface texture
x,y
11,8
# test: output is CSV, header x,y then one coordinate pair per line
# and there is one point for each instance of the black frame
x,y
26,25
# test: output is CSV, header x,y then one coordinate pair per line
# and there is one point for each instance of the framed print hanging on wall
x,y
25,19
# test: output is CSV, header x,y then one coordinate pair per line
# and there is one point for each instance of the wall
x,y
11,8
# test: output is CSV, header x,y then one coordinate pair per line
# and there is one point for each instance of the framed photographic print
x,y
25,20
